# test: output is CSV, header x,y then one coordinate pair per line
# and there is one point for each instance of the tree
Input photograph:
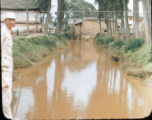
x,y
122,23
47,19
126,19
81,5
136,18
44,6
147,21
60,16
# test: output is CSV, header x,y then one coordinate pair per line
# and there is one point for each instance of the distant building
x,y
19,8
90,25
130,21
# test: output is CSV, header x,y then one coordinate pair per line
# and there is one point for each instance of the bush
x,y
133,44
69,31
118,44
103,39
100,40
109,40
97,35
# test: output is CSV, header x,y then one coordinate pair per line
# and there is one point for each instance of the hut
x,y
88,27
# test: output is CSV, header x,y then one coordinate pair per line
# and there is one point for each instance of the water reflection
x,y
80,83
24,105
50,80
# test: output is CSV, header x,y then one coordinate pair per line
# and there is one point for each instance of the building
x,y
90,26
130,21
19,8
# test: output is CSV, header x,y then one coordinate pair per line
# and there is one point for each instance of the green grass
x,y
29,50
140,53
133,44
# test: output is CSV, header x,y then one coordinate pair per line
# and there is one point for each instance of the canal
x,y
81,82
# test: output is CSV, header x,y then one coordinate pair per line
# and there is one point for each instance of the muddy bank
x,y
29,50
131,67
134,55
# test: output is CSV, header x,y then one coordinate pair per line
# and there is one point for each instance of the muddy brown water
x,y
79,83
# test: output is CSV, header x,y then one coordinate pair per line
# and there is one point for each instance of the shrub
x,y
118,44
69,31
100,40
109,40
97,35
133,44
103,39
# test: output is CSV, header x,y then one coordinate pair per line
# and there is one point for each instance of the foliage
x,y
110,5
42,5
69,31
103,39
133,44
118,44
81,5
137,50
97,35
141,55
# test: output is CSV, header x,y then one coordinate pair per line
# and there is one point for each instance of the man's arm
x,y
2,36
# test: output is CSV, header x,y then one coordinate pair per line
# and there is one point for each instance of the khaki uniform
x,y
7,69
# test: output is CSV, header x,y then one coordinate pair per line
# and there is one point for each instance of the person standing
x,y
40,30
7,62
17,32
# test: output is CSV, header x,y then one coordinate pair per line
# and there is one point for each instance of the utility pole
x,y
27,16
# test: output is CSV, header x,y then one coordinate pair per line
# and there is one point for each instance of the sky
x,y
130,5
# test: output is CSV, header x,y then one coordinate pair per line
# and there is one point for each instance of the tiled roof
x,y
18,4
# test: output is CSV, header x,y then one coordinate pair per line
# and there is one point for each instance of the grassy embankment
x,y
134,54
27,51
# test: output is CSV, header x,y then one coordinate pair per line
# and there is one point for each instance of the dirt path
x,y
30,35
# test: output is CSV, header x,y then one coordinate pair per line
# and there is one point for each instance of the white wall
x,y
23,28
34,16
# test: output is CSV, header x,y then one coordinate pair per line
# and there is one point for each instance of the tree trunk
x,y
149,11
113,23
136,18
99,22
27,16
126,19
60,16
80,32
147,23
122,25
47,20
116,27
109,24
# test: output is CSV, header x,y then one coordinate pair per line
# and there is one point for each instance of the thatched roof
x,y
18,4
